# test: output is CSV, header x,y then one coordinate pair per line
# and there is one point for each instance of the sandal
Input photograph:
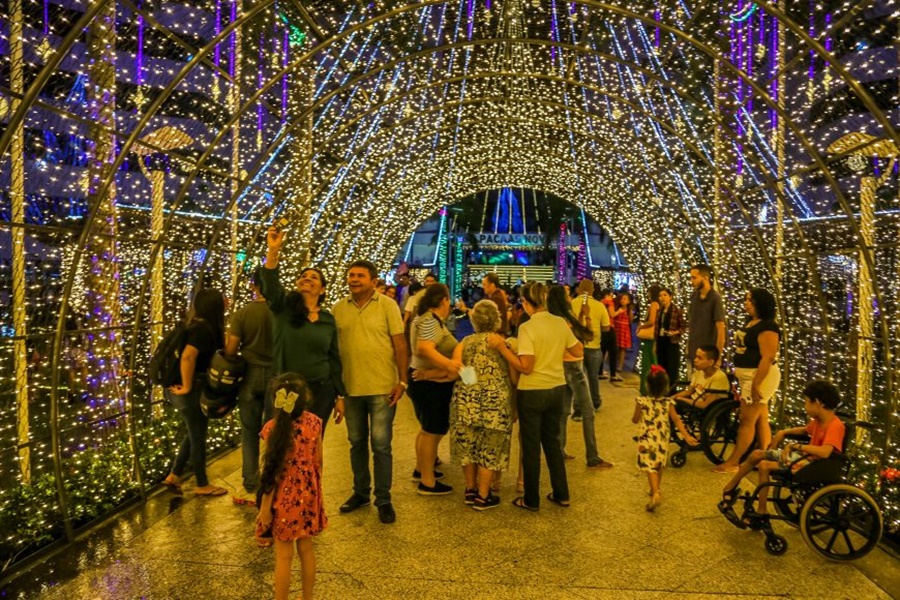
x,y
563,503
215,491
520,487
173,487
726,507
520,503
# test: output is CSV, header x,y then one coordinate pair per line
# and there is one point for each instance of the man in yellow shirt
x,y
591,314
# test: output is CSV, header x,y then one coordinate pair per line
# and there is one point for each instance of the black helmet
x,y
216,405
223,380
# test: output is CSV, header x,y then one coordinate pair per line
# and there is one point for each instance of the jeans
x,y
577,389
593,363
371,415
193,445
255,409
539,417
610,348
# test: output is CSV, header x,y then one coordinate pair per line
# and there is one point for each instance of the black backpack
x,y
165,364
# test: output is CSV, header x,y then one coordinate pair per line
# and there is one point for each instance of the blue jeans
x,y
371,416
193,445
577,389
255,409
593,363
539,416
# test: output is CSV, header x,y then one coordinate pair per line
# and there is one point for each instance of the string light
x,y
363,119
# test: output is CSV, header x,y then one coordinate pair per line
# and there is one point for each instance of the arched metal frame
x,y
30,99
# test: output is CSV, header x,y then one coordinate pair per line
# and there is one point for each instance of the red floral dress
x,y
298,510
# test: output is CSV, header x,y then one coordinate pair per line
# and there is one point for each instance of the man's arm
x,y
720,341
232,344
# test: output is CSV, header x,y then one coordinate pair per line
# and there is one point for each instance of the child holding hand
x,y
291,508
654,412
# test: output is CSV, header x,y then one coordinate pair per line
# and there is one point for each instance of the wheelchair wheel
x,y
678,459
776,545
786,504
718,431
841,522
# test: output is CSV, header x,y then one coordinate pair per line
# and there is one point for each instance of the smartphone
x,y
283,222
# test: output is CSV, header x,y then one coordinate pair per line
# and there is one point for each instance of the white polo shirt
x,y
545,337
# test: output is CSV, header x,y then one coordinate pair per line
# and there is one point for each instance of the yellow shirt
x,y
364,339
545,337
599,318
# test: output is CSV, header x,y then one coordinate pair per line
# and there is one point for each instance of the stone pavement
x,y
605,546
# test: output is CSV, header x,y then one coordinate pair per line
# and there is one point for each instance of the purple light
x,y
471,13
233,58
218,51
259,81
284,78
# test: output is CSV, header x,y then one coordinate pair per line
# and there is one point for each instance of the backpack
x,y
165,364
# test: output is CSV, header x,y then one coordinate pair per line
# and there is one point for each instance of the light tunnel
x,y
146,145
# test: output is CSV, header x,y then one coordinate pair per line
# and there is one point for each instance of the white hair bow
x,y
285,400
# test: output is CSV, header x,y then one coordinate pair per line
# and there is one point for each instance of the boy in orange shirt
x,y
826,432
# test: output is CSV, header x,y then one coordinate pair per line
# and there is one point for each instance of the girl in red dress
x,y
621,319
292,509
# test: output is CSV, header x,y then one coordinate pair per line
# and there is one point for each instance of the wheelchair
x,y
838,521
714,425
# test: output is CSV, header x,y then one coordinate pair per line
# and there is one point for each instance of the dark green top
x,y
310,350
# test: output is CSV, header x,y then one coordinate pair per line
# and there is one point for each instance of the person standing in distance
x,y
706,315
375,362
490,284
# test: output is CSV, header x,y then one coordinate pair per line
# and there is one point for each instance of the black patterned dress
x,y
653,439
480,419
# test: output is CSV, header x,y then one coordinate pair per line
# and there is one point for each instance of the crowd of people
x,y
535,357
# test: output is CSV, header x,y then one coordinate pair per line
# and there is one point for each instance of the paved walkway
x,y
605,546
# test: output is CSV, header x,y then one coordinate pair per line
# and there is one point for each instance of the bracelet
x,y
404,384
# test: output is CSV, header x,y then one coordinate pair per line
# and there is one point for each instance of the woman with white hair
x,y
481,412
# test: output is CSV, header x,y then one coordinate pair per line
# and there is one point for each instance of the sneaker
x,y
470,496
485,503
416,476
577,417
616,378
353,502
386,513
438,489
603,465
602,376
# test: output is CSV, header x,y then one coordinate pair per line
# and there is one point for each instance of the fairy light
x,y
613,113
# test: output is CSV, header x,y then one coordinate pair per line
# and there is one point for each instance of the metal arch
x,y
597,4
49,68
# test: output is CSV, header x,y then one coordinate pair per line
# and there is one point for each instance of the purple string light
x,y
259,81
233,58
284,78
218,50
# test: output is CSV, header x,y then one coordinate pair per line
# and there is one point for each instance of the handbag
x,y
646,333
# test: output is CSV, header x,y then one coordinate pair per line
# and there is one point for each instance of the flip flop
x,y
520,503
174,488
564,504
216,491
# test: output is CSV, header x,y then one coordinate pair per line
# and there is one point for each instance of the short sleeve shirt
x,y
253,325
429,328
366,347
746,344
831,434
545,337
412,305
599,319
703,315
701,383
200,336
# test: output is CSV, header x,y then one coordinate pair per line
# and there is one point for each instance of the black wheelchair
x,y
840,522
715,425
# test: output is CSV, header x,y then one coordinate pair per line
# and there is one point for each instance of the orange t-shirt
x,y
831,434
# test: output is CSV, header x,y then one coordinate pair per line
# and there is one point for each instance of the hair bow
x,y
656,369
285,400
